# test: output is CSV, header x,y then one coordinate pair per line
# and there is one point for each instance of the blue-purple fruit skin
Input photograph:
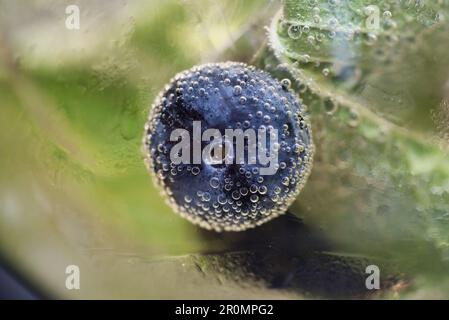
x,y
229,197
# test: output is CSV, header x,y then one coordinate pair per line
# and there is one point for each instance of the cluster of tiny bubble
x,y
230,197
348,43
329,34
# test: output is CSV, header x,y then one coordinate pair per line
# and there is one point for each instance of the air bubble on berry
x,y
237,90
214,183
286,83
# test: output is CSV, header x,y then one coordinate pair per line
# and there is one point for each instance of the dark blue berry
x,y
229,196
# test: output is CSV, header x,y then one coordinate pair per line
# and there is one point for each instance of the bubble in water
x,y
371,38
294,31
333,22
254,198
286,84
311,39
329,106
334,3
263,189
244,191
353,118
214,182
237,90
206,196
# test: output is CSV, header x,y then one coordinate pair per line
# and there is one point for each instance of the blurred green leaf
x,y
381,175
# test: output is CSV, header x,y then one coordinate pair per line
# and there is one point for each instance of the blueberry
x,y
230,195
